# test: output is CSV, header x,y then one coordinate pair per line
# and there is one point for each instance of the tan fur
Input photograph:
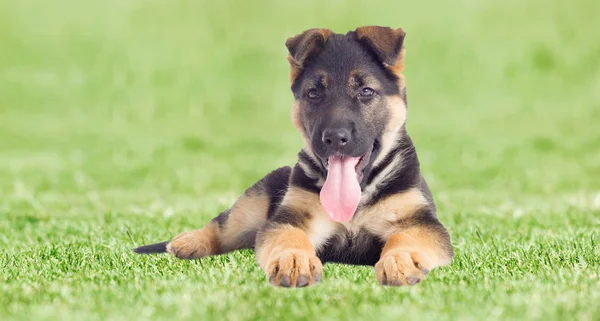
x,y
294,69
318,226
309,171
398,67
321,228
397,117
196,244
398,268
423,240
297,120
410,252
381,219
382,37
408,256
384,42
249,213
302,199
280,239
303,46
288,258
396,114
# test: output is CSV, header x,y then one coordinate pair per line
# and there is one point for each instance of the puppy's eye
x,y
366,92
312,94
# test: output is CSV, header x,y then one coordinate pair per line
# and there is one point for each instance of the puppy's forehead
x,y
342,54
345,62
314,77
361,78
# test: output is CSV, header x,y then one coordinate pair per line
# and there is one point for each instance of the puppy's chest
x,y
371,219
366,224
360,224
351,244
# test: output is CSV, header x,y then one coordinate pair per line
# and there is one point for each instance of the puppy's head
x,y
349,96
349,92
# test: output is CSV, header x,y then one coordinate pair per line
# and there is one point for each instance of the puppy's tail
x,y
152,248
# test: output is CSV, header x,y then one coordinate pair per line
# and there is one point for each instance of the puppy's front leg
x,y
287,257
285,248
410,254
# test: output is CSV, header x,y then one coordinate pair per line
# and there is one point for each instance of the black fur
x,y
300,179
152,248
275,184
221,219
362,248
312,163
287,216
404,177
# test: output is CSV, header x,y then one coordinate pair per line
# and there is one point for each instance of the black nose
x,y
335,138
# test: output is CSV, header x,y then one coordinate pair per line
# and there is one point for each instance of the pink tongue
x,y
340,194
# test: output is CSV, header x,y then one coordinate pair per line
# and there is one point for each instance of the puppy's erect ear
x,y
303,46
386,43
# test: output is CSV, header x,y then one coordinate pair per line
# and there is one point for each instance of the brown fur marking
x,y
408,256
304,45
302,199
425,241
397,113
318,226
398,67
398,268
288,258
248,214
381,218
386,42
196,244
297,120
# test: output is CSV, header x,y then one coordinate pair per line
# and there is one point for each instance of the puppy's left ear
x,y
386,43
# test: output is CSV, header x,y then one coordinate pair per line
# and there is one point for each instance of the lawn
x,y
124,122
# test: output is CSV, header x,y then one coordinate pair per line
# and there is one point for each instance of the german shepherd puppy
x,y
356,194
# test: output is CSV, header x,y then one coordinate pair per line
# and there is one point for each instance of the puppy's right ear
x,y
304,46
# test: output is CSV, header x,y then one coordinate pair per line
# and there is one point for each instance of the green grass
x,y
125,122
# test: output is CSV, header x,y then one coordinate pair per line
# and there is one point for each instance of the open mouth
x,y
341,192
360,163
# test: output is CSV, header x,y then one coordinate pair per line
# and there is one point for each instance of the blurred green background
x,y
125,121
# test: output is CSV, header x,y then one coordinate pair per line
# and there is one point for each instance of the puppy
x,y
356,194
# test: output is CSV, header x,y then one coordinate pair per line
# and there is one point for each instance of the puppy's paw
x,y
193,245
401,268
294,268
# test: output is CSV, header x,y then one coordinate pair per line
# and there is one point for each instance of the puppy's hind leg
x,y
235,228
